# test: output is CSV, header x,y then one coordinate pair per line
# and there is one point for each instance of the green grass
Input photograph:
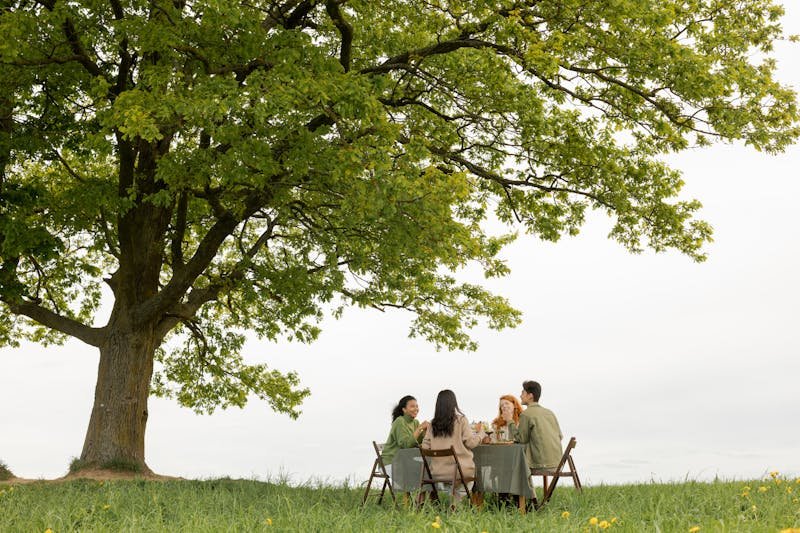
x,y
230,505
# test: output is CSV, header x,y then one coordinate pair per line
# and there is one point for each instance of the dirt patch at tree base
x,y
95,475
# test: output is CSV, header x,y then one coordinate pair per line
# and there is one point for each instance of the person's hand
x,y
425,426
486,440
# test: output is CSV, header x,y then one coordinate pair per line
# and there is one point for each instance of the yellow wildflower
x,y
778,481
745,494
789,490
106,507
436,525
797,481
774,474
593,521
604,524
762,488
694,529
268,521
754,508
614,520
565,514
48,530
791,530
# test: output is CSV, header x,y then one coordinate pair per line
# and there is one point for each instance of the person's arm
x,y
469,438
421,431
426,440
513,431
405,437
524,431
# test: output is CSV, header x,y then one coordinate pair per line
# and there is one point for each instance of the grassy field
x,y
240,505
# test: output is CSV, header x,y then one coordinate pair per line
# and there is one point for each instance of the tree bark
x,y
115,437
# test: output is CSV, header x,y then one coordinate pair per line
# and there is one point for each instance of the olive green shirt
x,y
539,429
401,436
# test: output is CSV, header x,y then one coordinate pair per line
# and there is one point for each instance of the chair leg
x,y
549,492
477,499
469,495
544,482
369,484
535,501
383,490
388,483
575,479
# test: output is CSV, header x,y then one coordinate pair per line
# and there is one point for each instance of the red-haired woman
x,y
507,421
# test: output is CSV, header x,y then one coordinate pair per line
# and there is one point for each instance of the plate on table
x,y
505,443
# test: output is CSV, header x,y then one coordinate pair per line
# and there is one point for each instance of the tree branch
x,y
180,231
444,47
200,296
203,256
73,39
66,325
506,183
345,29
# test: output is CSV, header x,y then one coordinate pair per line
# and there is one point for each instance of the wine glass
x,y
485,428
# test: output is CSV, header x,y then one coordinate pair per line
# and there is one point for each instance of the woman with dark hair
x,y
406,430
449,427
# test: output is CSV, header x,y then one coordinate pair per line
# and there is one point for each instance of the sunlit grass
x,y
246,505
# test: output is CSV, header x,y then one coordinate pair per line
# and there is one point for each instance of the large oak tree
x,y
233,166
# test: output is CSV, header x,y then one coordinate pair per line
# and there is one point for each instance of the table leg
x,y
522,507
477,499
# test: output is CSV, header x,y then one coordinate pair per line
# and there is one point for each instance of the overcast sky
x,y
661,367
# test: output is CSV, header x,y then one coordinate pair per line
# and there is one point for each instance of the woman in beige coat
x,y
449,427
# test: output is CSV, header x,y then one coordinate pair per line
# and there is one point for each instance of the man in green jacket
x,y
538,428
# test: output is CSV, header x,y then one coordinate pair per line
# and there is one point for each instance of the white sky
x,y
662,368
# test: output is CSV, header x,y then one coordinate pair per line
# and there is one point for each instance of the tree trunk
x,y
115,437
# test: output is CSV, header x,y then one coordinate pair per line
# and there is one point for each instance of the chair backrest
x,y
378,448
379,467
568,450
444,452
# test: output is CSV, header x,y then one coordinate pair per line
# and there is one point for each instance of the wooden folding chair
x,y
556,473
379,472
458,475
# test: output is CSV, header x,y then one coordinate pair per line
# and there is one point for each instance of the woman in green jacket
x,y
406,432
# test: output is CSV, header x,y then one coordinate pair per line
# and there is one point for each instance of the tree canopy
x,y
243,166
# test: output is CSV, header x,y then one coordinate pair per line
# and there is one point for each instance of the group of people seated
x,y
536,427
